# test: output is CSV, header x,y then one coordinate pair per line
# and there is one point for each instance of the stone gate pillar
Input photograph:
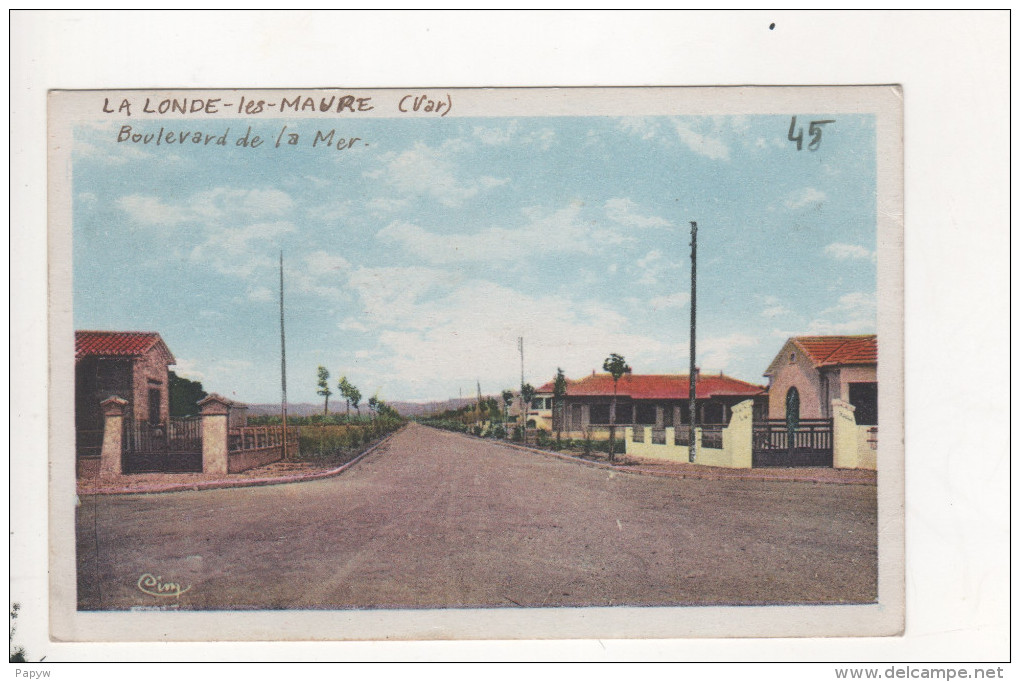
x,y
111,456
844,435
214,410
738,436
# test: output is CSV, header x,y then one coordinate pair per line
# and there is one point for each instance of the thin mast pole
x,y
283,362
693,379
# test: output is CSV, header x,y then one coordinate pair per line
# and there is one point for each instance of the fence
x,y
711,435
809,444
253,446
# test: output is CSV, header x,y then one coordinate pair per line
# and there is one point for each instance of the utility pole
x,y
524,409
693,379
283,362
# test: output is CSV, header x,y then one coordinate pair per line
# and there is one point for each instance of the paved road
x,y
438,519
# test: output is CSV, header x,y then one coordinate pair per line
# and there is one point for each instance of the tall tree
x,y
324,388
185,395
617,367
373,405
559,393
345,391
355,396
527,395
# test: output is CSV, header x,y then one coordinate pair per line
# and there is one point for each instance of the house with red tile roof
x,y
656,400
809,372
131,365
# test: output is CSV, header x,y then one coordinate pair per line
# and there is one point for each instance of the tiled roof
x,y
129,344
839,350
658,386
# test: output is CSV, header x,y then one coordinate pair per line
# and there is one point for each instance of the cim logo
x,y
155,586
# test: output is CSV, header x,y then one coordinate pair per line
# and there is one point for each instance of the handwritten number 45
x,y
814,130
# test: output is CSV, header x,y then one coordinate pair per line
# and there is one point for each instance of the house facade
x,y
133,366
655,400
811,371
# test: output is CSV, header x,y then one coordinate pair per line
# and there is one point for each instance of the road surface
x,y
437,519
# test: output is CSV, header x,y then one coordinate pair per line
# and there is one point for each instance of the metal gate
x,y
809,444
172,447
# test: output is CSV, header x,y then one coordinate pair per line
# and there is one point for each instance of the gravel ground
x,y
436,519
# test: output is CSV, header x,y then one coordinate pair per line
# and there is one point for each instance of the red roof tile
x,y
129,344
839,350
658,386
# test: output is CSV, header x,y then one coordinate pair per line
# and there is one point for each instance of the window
x,y
645,414
713,413
792,408
155,399
599,413
864,397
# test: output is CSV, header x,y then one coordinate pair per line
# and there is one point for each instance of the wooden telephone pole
x,y
693,378
283,363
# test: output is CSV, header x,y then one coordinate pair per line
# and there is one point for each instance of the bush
x,y
342,442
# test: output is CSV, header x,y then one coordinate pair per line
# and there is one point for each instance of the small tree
x,y
324,388
559,393
373,405
508,397
617,367
527,395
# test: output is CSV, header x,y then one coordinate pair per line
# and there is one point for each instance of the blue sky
x,y
414,259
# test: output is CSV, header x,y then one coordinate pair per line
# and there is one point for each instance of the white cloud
x,y
805,197
854,313
353,325
721,352
150,210
237,240
231,203
331,211
561,230
209,207
541,139
428,171
261,295
775,311
624,211
701,144
677,300
841,251
386,204
321,274
643,128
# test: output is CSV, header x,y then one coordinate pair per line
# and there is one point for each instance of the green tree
x,y
355,397
324,388
508,397
345,391
527,395
373,405
185,395
617,367
559,393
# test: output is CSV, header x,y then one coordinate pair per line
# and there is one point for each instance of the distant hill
x,y
405,408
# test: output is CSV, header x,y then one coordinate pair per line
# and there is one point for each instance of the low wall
x,y
242,460
735,452
668,452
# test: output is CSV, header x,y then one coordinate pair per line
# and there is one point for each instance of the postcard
x,y
333,364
